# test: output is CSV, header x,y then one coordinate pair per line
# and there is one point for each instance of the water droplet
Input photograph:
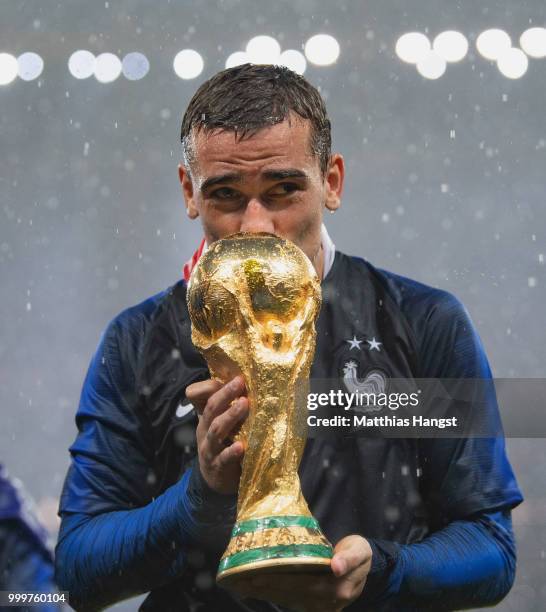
x,y
392,514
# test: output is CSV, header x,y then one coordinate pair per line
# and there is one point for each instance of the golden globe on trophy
x,y
253,300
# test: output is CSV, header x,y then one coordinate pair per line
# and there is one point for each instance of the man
x,y
150,496
26,556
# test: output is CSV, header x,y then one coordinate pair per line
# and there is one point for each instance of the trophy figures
x,y
253,300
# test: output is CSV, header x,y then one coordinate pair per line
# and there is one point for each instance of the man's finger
x,y
350,553
231,454
199,392
224,425
220,401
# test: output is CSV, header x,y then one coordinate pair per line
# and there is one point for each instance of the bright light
x,y
493,43
412,47
81,64
8,68
432,66
450,45
188,64
322,49
107,67
236,59
135,66
294,60
513,63
30,65
263,50
533,42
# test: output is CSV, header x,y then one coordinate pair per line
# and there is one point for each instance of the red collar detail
x,y
191,263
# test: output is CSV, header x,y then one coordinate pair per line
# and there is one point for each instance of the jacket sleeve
x,y
468,485
117,539
468,563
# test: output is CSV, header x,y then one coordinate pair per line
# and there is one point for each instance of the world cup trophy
x,y
253,300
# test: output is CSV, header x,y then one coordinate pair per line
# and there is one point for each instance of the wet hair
x,y
250,97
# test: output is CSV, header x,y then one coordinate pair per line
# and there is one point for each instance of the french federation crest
x,y
369,387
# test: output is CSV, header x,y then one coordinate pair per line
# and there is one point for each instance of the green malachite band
x,y
275,552
274,522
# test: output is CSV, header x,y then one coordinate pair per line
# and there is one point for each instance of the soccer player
x,y
26,559
150,496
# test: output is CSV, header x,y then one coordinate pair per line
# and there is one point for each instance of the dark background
x,y
445,184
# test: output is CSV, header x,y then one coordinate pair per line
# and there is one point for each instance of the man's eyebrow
x,y
279,175
271,175
220,180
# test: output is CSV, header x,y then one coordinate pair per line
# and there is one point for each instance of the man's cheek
x,y
218,226
308,237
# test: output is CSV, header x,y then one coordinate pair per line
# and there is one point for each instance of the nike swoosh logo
x,y
182,411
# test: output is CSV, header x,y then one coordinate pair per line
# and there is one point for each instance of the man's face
x,y
270,182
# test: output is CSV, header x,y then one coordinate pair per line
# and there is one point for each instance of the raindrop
x,y
392,514
204,581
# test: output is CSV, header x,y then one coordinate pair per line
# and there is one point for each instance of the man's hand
x,y
222,410
331,592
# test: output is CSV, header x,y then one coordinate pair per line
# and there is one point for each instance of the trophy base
x,y
274,545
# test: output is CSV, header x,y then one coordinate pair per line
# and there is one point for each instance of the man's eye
x,y
283,189
224,193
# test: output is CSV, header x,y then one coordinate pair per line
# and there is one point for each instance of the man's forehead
x,y
289,137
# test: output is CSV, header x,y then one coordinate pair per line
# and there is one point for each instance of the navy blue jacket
x,y
26,559
137,515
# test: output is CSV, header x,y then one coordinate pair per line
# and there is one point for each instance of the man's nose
x,y
257,218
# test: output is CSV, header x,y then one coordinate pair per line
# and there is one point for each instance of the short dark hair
x,y
250,97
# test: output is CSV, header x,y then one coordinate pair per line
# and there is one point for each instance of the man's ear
x,y
334,182
187,191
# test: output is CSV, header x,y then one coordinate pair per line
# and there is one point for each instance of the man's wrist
x,y
385,557
210,505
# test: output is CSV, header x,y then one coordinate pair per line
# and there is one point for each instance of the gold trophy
x,y
253,300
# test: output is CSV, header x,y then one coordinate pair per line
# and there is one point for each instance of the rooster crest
x,y
374,382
